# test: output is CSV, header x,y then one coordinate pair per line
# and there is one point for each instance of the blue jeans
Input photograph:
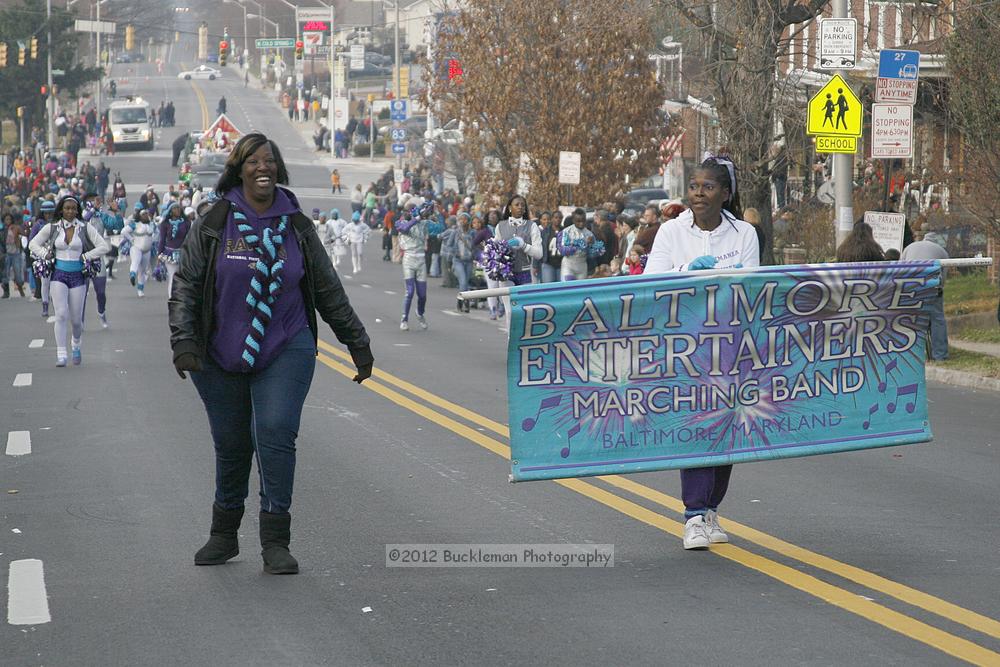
x,y
14,268
938,327
550,274
462,269
257,414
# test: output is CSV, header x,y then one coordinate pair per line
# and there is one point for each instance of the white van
x,y
130,123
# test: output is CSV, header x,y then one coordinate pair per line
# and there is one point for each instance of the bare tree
x,y
974,106
534,77
743,42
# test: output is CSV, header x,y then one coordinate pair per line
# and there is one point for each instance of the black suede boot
x,y
223,542
275,534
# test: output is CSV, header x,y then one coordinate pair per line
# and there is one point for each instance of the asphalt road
x,y
880,557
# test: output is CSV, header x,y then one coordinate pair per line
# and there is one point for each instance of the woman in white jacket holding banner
x,y
709,235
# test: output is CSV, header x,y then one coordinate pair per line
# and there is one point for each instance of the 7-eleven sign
x,y
311,40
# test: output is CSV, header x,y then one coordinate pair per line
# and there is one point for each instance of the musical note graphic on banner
x,y
569,441
868,422
550,402
909,390
888,369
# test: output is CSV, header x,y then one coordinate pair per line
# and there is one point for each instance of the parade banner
x,y
684,370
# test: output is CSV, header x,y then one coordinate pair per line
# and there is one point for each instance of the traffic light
x,y
299,50
3,54
129,37
34,48
20,55
44,90
223,52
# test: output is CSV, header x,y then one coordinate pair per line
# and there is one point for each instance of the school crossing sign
x,y
834,117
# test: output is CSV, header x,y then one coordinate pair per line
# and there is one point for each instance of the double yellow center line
x,y
201,100
845,599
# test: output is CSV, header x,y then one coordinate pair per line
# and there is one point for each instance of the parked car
x,y
643,196
378,59
209,169
415,127
449,133
200,72
370,70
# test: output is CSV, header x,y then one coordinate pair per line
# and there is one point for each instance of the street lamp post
x,y
241,6
261,16
260,61
51,103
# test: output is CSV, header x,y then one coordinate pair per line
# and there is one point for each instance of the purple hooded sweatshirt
x,y
234,269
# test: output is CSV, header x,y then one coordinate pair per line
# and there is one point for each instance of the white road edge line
x,y
18,443
22,380
38,342
389,291
28,603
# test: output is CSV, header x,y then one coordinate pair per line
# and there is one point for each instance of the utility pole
x,y
100,65
399,89
51,103
329,105
843,165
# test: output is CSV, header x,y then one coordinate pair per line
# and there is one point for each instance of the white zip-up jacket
x,y
679,241
140,234
335,232
39,246
357,233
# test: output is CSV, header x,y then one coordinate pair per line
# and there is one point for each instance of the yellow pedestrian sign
x,y
835,110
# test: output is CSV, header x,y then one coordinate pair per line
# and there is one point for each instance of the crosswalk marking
x,y
22,380
27,603
38,342
18,443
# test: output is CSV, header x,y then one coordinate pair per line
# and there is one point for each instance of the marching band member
x,y
710,234
357,236
72,243
413,242
139,233
173,230
523,237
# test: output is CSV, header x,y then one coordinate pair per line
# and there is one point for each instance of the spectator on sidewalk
x,y
934,307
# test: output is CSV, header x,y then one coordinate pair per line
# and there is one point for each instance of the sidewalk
x,y
305,128
991,349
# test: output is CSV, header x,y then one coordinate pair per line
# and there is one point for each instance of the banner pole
x,y
958,261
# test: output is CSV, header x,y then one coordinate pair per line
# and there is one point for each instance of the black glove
x,y
186,361
364,361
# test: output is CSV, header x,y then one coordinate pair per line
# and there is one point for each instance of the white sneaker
x,y
140,293
696,533
404,326
104,319
422,322
715,533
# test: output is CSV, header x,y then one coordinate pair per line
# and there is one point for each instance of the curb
x,y
962,379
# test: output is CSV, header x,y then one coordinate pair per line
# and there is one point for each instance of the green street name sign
x,y
277,43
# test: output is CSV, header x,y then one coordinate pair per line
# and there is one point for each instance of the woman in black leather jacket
x,y
253,274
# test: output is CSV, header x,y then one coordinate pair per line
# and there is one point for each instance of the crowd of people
x,y
61,236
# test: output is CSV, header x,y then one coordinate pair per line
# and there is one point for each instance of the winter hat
x,y
356,217
188,211
47,206
334,214
315,212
